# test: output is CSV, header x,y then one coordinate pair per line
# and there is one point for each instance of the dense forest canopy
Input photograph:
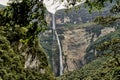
x,y
20,24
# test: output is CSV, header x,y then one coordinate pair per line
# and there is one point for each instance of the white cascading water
x,y
53,6
60,53
59,45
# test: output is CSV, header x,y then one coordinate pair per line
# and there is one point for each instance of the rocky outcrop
x,y
75,43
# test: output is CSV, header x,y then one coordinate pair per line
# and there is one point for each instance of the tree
x,y
113,47
113,44
26,13
20,24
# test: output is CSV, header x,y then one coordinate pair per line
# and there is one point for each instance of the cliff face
x,y
75,41
75,44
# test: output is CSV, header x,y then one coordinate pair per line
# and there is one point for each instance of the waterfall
x,y
53,28
60,53
53,21
52,6
59,45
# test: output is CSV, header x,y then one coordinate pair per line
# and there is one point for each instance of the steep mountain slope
x,y
76,31
104,67
75,43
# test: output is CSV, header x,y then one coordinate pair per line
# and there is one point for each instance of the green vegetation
x,y
19,39
103,68
20,24
70,26
12,64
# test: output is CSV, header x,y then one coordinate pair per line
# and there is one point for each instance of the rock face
x,y
75,43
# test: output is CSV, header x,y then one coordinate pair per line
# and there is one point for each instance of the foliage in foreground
x,y
19,28
12,64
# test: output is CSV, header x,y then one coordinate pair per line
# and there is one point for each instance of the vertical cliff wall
x,y
75,43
